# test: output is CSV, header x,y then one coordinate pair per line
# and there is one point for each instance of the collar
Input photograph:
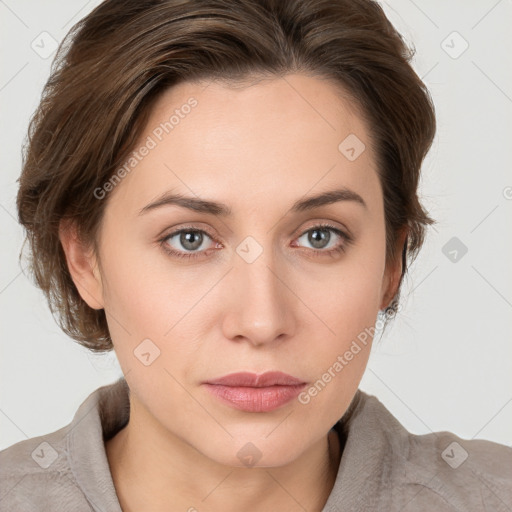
x,y
373,443
99,417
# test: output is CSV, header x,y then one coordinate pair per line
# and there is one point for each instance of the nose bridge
x,y
261,307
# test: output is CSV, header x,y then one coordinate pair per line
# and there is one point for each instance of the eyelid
x,y
316,224
346,238
342,233
169,232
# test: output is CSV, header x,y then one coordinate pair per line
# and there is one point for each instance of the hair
x,y
113,65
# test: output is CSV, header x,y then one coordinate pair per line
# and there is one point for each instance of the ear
x,y
393,272
82,265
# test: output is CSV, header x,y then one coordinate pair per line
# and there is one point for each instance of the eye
x,y
189,242
186,242
325,239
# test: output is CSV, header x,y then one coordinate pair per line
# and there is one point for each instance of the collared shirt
x,y
383,467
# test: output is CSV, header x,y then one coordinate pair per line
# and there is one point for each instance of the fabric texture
x,y
383,466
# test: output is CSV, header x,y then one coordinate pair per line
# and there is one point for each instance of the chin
x,y
252,452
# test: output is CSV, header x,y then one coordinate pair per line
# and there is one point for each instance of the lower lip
x,y
255,399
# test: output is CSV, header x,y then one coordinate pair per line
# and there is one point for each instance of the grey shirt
x,y
383,467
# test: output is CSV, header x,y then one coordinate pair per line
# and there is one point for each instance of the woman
x,y
225,193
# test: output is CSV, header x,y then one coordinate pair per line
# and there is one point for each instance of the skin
x,y
258,149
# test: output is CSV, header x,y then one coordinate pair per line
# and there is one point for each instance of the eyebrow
x,y
223,210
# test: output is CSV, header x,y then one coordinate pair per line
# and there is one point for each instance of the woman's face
x,y
255,285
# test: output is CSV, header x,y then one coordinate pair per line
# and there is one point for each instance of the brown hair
x,y
116,61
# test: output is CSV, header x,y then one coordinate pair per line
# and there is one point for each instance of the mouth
x,y
250,392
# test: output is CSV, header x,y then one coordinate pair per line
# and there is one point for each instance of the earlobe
x,y
82,265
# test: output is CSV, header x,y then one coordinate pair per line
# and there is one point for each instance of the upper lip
x,y
247,379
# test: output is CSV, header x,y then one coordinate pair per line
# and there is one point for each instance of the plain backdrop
x,y
446,361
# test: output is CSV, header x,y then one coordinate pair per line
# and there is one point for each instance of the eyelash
x,y
347,240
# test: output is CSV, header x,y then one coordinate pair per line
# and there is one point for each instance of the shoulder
x,y
443,470
35,475
465,474
67,467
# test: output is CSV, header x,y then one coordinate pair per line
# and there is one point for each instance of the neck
x,y
157,472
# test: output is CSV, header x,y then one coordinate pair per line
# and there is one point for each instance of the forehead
x,y
316,105
233,141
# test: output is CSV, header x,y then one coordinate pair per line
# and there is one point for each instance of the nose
x,y
260,306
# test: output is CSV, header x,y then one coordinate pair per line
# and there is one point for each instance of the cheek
x,y
138,297
346,296
349,312
147,298
348,305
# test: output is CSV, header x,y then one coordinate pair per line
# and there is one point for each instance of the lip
x,y
253,380
251,392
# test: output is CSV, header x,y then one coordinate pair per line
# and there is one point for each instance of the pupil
x,y
318,236
188,238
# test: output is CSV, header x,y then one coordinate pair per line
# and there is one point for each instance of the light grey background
x,y
446,363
